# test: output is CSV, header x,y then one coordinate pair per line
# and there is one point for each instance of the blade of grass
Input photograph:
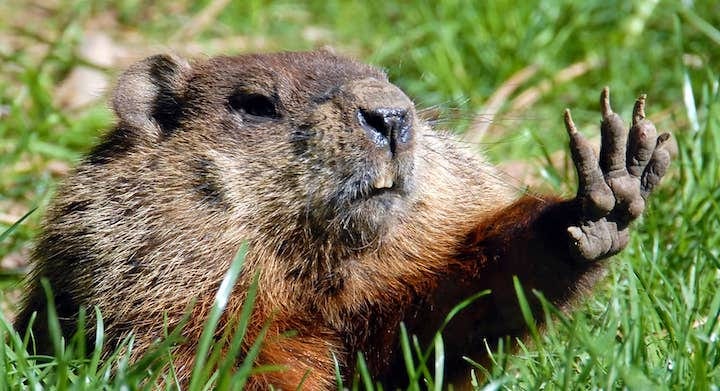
x,y
526,311
4,365
56,336
221,299
98,345
246,368
19,346
338,374
421,368
408,357
364,373
236,343
439,362
13,227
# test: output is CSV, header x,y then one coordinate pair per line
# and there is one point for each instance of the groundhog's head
x,y
305,140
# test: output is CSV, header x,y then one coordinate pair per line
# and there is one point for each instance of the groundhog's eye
x,y
254,104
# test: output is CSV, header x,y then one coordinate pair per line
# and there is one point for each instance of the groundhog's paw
x,y
613,190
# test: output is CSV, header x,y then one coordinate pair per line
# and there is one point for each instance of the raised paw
x,y
612,189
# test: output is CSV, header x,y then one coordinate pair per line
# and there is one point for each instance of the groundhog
x,y
358,216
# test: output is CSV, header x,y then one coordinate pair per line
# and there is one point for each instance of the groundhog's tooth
x,y
378,184
383,182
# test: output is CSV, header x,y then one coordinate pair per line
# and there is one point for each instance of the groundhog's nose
x,y
387,127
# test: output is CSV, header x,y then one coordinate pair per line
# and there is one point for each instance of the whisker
x,y
500,177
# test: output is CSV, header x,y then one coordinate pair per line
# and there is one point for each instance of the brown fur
x,y
153,216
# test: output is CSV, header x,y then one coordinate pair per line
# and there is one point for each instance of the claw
x,y
578,243
569,124
639,109
642,141
596,197
656,168
575,233
605,102
613,139
662,138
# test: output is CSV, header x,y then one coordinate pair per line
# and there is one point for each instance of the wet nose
x,y
387,127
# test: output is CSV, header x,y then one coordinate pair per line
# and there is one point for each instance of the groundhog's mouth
x,y
380,192
384,186
367,205
383,182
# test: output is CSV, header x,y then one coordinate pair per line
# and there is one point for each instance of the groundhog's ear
x,y
149,95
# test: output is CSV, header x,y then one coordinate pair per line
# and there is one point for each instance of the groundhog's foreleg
x,y
551,245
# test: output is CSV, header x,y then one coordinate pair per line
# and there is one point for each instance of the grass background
x,y
501,71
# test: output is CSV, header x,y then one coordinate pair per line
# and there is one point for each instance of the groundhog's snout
x,y
387,127
385,113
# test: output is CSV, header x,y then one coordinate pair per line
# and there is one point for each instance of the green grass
x,y
651,324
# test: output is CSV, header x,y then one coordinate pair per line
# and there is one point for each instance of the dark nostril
x,y
383,121
386,126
